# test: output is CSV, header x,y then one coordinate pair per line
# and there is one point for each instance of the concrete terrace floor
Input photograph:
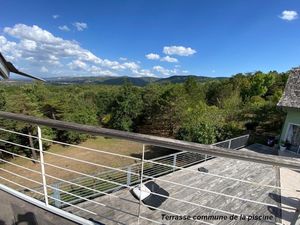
x,y
16,211
124,208
290,200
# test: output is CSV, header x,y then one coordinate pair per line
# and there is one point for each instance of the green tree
x,y
126,108
260,83
24,102
202,132
2,99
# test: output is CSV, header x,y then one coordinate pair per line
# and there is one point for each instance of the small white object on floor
x,y
141,194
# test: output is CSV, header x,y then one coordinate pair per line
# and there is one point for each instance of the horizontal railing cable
x,y
91,149
176,167
187,169
67,157
26,188
156,141
23,167
59,167
151,161
151,177
100,192
23,177
180,200
21,156
195,204
53,177
15,132
118,178
20,185
88,200
221,176
224,177
127,186
71,145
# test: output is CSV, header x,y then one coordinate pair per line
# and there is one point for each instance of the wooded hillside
x,y
203,112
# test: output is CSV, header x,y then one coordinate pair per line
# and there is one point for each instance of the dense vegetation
x,y
203,112
136,81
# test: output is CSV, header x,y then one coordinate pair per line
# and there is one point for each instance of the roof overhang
x,y
4,72
7,67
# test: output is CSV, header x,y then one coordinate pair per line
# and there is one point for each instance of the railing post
x,y
174,162
42,165
56,195
229,146
141,177
128,175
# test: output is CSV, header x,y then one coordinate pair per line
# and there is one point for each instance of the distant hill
x,y
137,81
181,79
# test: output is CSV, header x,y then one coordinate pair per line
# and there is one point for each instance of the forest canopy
x,y
203,112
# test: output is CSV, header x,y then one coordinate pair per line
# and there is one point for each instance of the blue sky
x,y
150,38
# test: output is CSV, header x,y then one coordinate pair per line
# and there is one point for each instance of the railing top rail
x,y
157,141
231,139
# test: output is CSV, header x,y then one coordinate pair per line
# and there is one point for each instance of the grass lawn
x,y
105,144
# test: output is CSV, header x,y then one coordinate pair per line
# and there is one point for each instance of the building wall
x,y
293,116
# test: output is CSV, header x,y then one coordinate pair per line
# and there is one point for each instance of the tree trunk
x,y
53,115
33,152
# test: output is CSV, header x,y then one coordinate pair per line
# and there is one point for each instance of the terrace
x,y
224,183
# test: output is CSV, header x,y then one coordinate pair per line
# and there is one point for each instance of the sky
x,y
157,38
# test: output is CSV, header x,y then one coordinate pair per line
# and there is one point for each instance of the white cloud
x,y
168,72
162,70
123,58
55,16
80,26
289,15
34,33
169,59
39,51
159,69
98,71
9,48
77,65
178,50
41,48
46,45
44,69
109,63
143,73
64,28
152,56
131,65
28,45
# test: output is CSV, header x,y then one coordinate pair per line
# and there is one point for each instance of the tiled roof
x,y
291,95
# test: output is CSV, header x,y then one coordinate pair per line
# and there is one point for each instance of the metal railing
x,y
165,171
180,159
